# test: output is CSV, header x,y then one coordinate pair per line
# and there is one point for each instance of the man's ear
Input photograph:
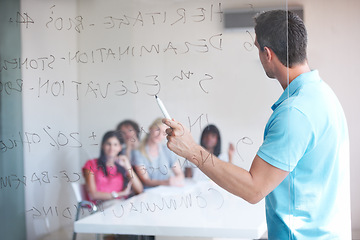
x,y
268,53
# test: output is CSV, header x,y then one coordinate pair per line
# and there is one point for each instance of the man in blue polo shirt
x,y
302,167
301,137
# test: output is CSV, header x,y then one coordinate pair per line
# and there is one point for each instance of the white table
x,y
196,210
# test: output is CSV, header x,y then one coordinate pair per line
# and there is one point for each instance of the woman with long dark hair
x,y
211,140
110,176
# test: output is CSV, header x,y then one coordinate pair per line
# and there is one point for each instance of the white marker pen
x,y
162,107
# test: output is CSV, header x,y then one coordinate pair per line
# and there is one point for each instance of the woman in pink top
x,y
110,176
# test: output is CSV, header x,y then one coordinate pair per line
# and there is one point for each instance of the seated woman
x,y
154,163
210,139
130,131
110,176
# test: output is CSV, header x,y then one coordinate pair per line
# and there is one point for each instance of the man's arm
x,y
251,185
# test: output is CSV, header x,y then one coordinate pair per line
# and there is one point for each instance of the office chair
x,y
80,194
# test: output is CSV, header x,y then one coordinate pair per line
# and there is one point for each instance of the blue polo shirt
x,y
307,136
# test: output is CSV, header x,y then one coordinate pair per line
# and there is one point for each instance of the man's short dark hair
x,y
283,32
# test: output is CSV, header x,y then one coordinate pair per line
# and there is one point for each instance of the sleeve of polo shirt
x,y
286,139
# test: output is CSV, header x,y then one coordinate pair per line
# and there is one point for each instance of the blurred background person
x,y
211,140
110,176
130,132
154,163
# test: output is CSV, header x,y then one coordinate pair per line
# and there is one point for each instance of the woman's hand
x,y
231,152
176,181
126,192
124,162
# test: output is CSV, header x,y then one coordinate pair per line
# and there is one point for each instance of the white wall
x,y
238,101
